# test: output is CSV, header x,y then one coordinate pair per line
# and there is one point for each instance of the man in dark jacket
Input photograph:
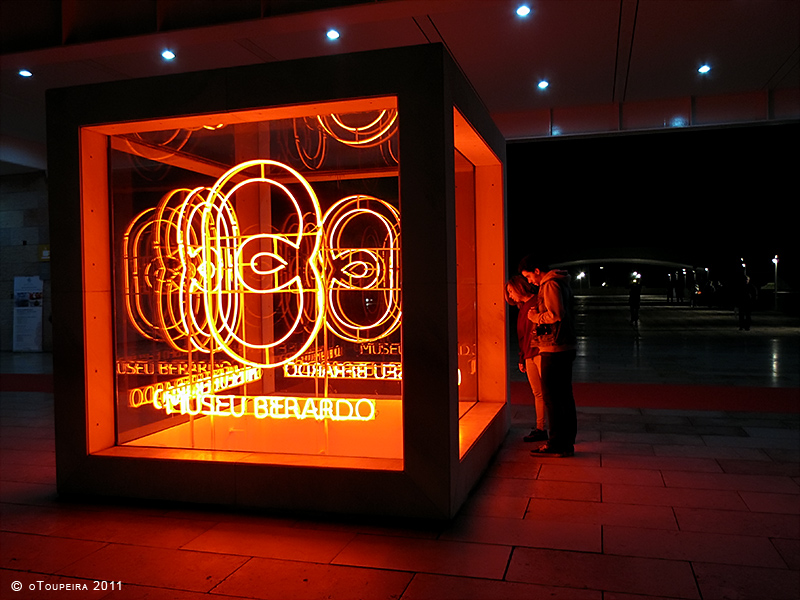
x,y
555,337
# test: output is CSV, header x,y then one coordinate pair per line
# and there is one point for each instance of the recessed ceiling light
x,y
25,73
704,69
542,85
523,11
332,34
167,55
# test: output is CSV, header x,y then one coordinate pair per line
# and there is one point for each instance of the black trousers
x,y
557,391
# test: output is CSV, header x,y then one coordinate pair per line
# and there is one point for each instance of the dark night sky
x,y
705,197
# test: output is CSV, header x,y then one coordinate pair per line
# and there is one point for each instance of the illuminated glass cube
x,y
280,285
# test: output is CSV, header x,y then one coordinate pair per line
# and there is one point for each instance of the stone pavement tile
x,y
586,418
42,554
606,448
692,429
661,419
760,467
564,490
608,410
783,443
601,513
16,492
268,579
156,567
726,481
536,533
783,455
773,503
736,522
582,570
439,587
719,582
587,435
139,592
739,419
14,435
441,557
514,469
374,525
140,531
27,457
268,540
29,473
664,496
683,413
628,427
42,520
757,431
712,452
707,465
485,505
691,546
563,471
790,551
624,596
521,455
672,439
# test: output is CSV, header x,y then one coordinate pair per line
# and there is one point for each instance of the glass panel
x,y
479,275
466,283
257,280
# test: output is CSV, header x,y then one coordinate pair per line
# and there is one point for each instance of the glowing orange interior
x,y
250,305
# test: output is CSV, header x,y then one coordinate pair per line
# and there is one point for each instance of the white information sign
x,y
27,314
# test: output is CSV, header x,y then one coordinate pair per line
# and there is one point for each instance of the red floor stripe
x,y
25,382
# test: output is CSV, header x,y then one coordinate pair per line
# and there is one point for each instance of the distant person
x,y
522,294
695,296
554,335
635,301
746,297
709,294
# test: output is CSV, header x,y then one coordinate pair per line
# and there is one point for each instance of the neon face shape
x,y
165,275
362,248
192,276
281,265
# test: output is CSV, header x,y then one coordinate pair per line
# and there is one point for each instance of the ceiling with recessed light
x,y
609,65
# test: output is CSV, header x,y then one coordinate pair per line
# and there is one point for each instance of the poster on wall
x,y
28,299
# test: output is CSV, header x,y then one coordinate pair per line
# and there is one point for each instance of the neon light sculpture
x,y
362,247
285,264
191,275
364,135
377,128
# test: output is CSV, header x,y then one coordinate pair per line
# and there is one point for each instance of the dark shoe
x,y
536,435
547,450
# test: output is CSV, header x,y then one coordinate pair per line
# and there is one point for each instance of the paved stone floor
x,y
685,484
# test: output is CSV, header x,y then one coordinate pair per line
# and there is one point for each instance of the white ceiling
x,y
596,54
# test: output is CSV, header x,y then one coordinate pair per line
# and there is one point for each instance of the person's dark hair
x,y
531,264
520,285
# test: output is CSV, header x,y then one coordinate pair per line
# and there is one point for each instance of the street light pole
x,y
775,262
